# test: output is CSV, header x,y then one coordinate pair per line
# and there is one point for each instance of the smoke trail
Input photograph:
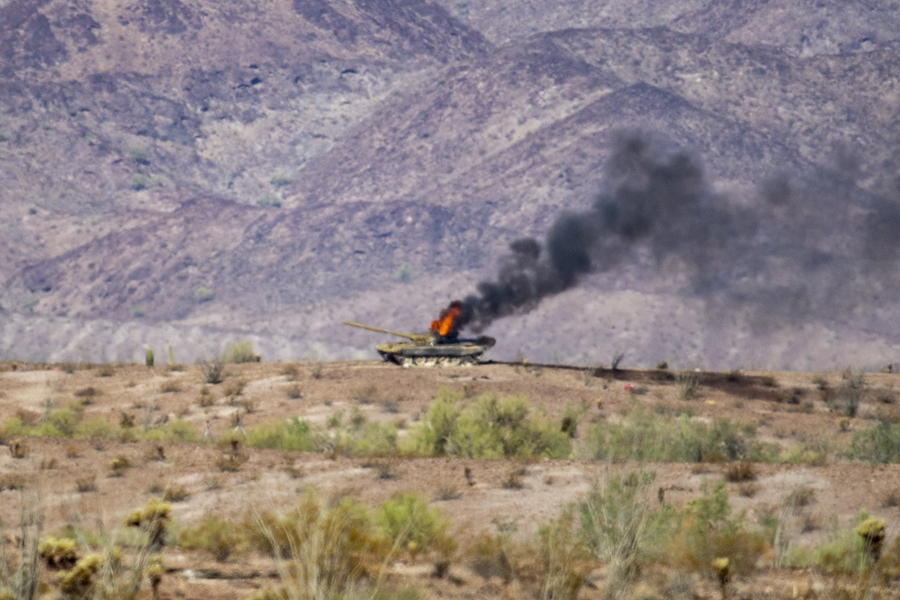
x,y
651,196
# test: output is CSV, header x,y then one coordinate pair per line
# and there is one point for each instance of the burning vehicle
x,y
441,346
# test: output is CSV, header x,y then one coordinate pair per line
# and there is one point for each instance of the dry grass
x,y
176,493
86,484
514,479
688,385
740,471
169,387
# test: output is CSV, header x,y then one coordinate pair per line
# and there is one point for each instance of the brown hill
x,y
225,170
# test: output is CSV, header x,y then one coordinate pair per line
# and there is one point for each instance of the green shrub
x,y
490,427
173,431
709,532
95,429
280,178
688,385
432,436
203,294
66,420
293,435
139,182
219,537
621,530
240,352
370,439
562,559
139,154
650,437
878,444
844,551
410,524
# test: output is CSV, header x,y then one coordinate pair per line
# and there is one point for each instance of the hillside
x,y
190,173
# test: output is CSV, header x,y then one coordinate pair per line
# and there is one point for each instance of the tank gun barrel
x,y
415,337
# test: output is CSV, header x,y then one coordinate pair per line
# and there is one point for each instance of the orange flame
x,y
445,324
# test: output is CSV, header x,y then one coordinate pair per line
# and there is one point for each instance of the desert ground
x,y
73,476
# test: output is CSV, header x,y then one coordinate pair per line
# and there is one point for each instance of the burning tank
x,y
441,346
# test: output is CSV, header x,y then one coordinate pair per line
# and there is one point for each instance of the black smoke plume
x,y
797,251
650,196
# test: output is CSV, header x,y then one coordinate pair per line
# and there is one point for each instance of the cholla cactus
x,y
153,518
722,568
58,553
872,533
80,581
155,573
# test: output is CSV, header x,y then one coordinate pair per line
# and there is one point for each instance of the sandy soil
x,y
787,409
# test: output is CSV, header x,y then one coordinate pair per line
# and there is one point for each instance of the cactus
x,y
171,355
149,357
872,533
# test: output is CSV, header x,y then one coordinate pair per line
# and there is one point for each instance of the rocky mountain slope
x,y
186,172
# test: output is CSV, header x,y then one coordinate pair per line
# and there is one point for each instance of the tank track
x,y
431,361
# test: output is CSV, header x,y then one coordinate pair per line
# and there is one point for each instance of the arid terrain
x,y
796,467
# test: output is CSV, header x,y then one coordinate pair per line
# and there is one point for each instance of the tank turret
x,y
430,349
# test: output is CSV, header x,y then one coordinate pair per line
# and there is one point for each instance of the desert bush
x,y
203,294
21,568
324,552
513,480
231,463
688,384
13,481
845,551
315,370
234,389
139,182
496,556
410,524
878,444
294,392
849,395
106,370
175,493
172,432
240,352
709,532
95,429
490,427
562,559
369,439
291,372
280,178
86,484
366,395
620,528
293,434
219,537
65,420
169,387
740,471
119,465
645,436
212,369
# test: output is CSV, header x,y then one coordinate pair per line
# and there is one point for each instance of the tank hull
x,y
409,354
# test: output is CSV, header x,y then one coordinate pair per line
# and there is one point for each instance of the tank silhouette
x,y
430,349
